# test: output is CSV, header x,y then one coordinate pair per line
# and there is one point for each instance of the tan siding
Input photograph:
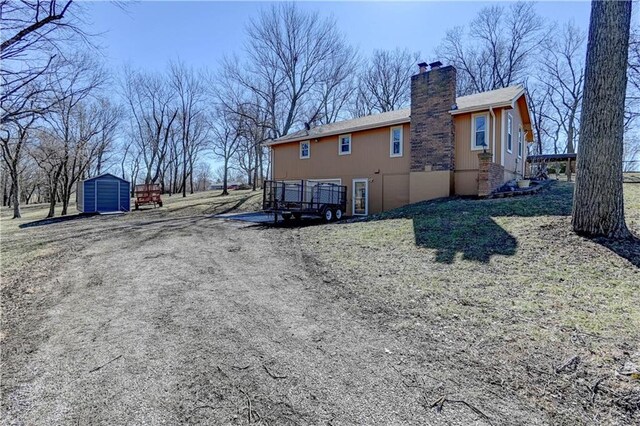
x,y
370,158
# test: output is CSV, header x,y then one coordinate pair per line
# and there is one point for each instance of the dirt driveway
x,y
205,321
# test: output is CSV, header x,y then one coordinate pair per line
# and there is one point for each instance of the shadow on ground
x,y
54,220
467,226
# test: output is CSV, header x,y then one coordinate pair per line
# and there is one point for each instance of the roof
x,y
477,102
493,98
106,175
341,127
551,157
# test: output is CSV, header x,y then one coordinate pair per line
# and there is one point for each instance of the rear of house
x,y
441,146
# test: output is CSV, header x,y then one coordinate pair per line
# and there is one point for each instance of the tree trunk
x,y
225,178
16,197
598,208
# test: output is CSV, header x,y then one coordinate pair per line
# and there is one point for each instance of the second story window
x,y
344,145
509,131
395,148
479,132
520,142
305,149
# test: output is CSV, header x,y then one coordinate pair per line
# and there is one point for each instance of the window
x,y
509,131
520,142
395,142
344,145
305,149
479,131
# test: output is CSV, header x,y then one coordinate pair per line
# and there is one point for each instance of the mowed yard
x,y
451,312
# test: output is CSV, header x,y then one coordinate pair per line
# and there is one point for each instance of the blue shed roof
x,y
105,175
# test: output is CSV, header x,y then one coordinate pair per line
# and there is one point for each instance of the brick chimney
x,y
433,95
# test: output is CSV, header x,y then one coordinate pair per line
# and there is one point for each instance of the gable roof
x,y
105,175
476,102
483,100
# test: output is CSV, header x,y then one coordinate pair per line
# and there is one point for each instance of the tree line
x,y
65,117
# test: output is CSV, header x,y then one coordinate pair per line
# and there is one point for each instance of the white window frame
x,y
486,131
520,141
353,197
305,157
391,153
348,135
509,132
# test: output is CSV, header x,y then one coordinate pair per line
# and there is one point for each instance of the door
x,y
108,195
360,197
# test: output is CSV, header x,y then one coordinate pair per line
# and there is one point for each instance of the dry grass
x,y
503,288
21,247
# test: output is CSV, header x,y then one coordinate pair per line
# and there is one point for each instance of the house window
x,y
520,141
479,131
509,131
395,148
305,149
344,145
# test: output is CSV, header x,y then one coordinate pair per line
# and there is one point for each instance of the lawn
x,y
503,290
454,312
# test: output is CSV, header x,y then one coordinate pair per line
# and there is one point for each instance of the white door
x,y
360,197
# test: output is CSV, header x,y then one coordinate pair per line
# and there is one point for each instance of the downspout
x,y
493,133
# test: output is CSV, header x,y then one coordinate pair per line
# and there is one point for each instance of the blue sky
x,y
149,34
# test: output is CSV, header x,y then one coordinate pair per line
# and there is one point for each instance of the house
x,y
105,193
443,145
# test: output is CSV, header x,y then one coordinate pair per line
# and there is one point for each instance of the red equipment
x,y
148,193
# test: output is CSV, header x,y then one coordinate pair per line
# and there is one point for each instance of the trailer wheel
x,y
338,214
137,206
297,216
328,215
160,203
286,217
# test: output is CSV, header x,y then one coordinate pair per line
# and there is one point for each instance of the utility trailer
x,y
148,193
296,198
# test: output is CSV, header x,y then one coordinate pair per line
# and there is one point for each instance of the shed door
x,y
108,196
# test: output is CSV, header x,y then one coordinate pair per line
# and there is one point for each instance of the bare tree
x,y
13,147
538,100
190,91
72,127
384,83
633,88
287,58
227,133
153,112
497,50
598,205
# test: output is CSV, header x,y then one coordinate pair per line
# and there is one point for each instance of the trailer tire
x,y
297,216
160,203
328,215
286,217
338,214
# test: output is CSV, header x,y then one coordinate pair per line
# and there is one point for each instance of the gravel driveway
x,y
207,321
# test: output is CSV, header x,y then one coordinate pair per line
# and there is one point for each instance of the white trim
x,y
308,150
503,138
507,128
520,141
346,135
391,153
473,131
366,197
493,134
